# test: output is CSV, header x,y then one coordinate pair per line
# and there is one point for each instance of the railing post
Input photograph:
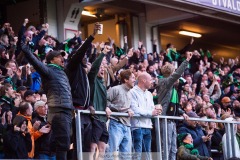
x,y
158,138
166,139
233,139
161,125
228,140
79,136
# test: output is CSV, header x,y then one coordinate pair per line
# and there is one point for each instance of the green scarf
x,y
66,48
57,66
172,55
9,80
193,151
174,98
119,52
172,109
209,55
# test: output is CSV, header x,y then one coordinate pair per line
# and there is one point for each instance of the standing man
x,y
99,98
142,104
56,85
77,71
119,100
165,90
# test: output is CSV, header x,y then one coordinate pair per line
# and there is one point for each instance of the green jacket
x,y
184,154
97,88
100,98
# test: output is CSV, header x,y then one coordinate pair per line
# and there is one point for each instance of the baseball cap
x,y
192,114
39,104
226,100
53,54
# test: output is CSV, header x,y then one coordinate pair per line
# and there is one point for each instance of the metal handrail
x,y
160,116
229,130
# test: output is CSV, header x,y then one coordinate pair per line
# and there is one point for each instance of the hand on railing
x,y
130,113
108,112
92,110
156,112
185,116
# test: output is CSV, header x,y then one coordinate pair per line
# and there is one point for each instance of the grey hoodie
x,y
165,86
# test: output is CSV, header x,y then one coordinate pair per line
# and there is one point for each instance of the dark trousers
x,y
86,133
61,132
86,130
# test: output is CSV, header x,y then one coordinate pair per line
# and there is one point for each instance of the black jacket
x,y
42,144
55,82
8,105
17,145
78,78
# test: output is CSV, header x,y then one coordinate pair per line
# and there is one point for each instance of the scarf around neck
x,y
193,151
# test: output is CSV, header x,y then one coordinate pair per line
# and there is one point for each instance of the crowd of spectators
x,y
43,81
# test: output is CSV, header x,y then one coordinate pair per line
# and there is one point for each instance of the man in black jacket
x,y
56,85
77,70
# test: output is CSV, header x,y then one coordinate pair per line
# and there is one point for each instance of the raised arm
x,y
22,30
41,34
124,61
37,64
177,74
79,55
187,47
97,63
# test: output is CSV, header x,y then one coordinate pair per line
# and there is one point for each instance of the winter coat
x,y
184,154
78,78
55,82
42,144
196,134
16,143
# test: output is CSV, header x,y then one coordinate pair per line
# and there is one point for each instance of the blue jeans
x,y
44,156
142,142
119,139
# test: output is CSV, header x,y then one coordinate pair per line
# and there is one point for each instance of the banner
x,y
232,6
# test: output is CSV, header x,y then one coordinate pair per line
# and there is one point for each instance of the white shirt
x,y
142,104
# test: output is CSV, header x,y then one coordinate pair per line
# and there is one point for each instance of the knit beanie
x,y
181,137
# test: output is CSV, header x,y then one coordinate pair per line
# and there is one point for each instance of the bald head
x,y
144,81
143,76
